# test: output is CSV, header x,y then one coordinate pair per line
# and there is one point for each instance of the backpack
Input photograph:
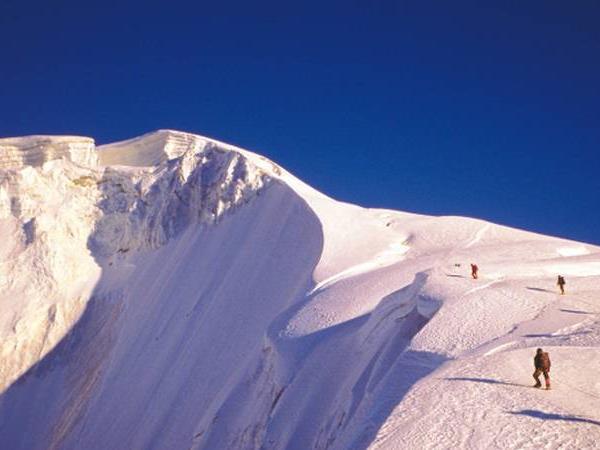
x,y
545,361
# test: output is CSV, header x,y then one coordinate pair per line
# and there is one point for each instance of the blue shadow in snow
x,y
400,377
484,380
539,289
563,336
551,416
574,311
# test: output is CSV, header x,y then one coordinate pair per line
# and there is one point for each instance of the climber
x,y
561,284
541,361
474,270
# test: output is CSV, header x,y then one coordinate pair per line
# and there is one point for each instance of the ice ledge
x,y
19,152
150,149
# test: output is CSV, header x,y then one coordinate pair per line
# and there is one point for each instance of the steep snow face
x,y
47,273
147,207
61,222
185,293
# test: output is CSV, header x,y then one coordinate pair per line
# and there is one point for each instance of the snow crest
x,y
16,153
146,208
63,217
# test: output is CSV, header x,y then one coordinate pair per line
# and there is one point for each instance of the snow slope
x,y
172,291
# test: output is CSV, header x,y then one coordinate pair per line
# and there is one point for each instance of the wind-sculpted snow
x,y
61,220
178,292
152,149
145,209
16,153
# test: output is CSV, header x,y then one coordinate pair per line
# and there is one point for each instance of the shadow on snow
x,y
552,416
485,380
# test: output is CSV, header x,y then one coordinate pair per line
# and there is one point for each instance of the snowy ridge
x,y
52,261
195,183
191,294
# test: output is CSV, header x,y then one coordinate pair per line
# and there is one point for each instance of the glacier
x,y
174,291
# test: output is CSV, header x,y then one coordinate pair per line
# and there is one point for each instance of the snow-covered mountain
x,y
175,292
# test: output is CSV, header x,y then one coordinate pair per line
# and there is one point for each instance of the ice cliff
x,y
63,210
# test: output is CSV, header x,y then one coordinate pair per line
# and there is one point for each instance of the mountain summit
x,y
172,291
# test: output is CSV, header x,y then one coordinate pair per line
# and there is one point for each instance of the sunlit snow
x,y
176,292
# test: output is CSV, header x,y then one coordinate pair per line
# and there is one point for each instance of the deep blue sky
x,y
442,107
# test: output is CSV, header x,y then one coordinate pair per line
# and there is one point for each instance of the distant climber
x,y
561,284
474,270
541,361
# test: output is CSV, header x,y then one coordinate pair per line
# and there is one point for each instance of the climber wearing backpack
x,y
474,270
561,284
541,361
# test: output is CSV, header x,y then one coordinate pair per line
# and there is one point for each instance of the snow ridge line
x,y
478,236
